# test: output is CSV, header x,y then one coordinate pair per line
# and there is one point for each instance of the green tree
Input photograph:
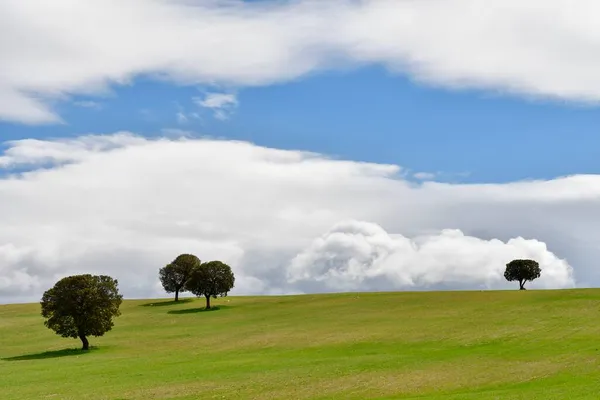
x,y
522,271
211,279
82,305
174,275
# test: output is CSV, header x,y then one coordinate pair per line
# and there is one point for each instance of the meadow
x,y
409,345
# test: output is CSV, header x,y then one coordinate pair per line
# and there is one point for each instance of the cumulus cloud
x,y
126,205
356,255
542,48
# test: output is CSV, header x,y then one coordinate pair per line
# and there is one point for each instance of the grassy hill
x,y
435,345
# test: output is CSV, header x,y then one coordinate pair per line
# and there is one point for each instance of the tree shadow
x,y
197,310
51,354
167,303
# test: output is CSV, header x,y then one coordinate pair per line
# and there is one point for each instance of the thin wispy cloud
x,y
181,118
222,104
88,104
424,176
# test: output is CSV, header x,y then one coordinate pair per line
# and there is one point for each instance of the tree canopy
x,y
174,276
522,271
82,305
211,279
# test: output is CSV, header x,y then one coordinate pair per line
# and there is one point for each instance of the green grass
x,y
435,345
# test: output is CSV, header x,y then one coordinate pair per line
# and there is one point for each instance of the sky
x,y
314,146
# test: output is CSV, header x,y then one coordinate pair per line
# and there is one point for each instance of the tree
x,y
211,279
82,305
174,275
522,271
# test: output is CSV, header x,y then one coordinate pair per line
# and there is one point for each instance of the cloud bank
x,y
357,255
286,221
49,50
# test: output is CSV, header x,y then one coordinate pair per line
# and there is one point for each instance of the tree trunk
x,y
207,302
176,294
86,344
522,285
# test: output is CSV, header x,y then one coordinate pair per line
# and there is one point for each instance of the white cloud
x,y
541,48
357,255
104,204
35,152
218,100
424,176
222,104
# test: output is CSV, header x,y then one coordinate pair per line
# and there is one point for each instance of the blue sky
x,y
451,137
367,114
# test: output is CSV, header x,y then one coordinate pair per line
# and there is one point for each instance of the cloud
x,y
36,152
424,176
541,49
218,100
222,104
181,118
356,255
88,104
103,204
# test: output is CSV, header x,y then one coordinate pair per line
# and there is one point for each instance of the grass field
x,y
432,345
